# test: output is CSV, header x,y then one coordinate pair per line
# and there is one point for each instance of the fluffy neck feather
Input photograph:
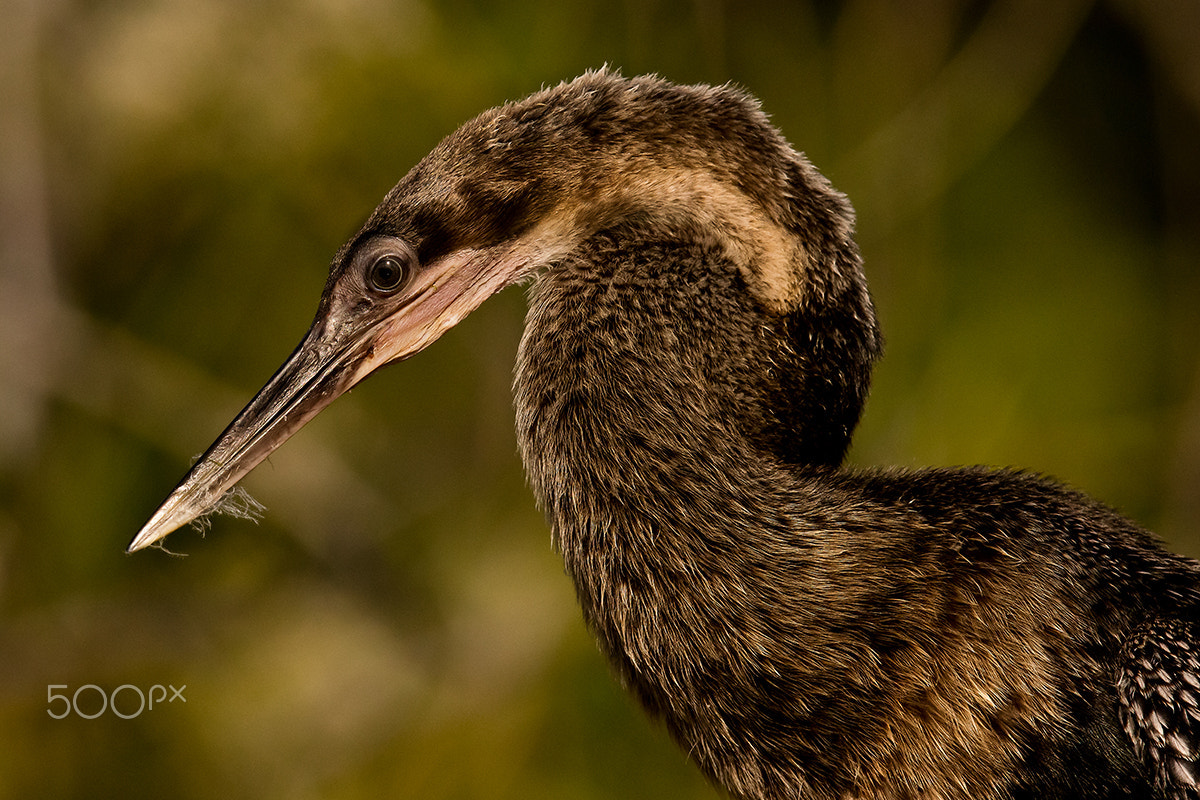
x,y
643,391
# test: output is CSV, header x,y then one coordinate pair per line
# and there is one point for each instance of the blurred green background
x,y
174,178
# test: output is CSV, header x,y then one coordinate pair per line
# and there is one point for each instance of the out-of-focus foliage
x,y
174,177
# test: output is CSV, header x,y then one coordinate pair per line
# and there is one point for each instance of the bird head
x,y
512,192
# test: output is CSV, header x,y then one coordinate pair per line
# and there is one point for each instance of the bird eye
x,y
387,274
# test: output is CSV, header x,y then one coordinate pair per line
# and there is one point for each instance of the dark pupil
x,y
387,273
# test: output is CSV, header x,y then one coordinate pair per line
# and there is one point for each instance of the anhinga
x,y
696,355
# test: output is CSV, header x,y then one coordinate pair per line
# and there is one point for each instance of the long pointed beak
x,y
312,378
343,346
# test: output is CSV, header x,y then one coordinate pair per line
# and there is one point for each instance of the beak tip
x,y
147,536
168,518
140,541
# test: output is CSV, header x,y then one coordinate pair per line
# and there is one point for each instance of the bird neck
x,y
650,380
667,422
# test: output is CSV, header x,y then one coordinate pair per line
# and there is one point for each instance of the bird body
x,y
806,632
696,356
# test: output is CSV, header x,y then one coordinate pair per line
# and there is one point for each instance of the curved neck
x,y
647,369
662,413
